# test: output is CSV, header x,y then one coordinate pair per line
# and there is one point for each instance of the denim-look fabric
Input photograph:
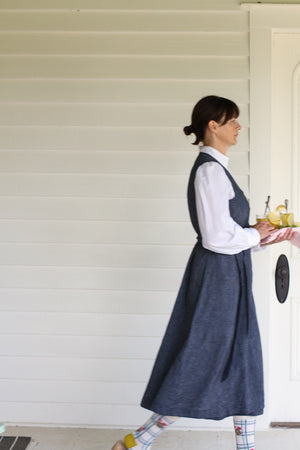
x,y
209,364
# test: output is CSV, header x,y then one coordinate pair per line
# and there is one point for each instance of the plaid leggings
x,y
244,427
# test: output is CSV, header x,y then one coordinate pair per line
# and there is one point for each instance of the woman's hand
x,y
285,235
264,228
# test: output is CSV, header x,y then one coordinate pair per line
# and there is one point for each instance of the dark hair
x,y
212,107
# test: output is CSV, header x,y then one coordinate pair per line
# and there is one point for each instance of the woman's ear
x,y
212,126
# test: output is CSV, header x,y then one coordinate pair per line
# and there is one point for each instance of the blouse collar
x,y
222,159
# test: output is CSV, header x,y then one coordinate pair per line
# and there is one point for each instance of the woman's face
x,y
228,132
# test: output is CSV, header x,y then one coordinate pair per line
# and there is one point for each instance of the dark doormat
x,y
14,442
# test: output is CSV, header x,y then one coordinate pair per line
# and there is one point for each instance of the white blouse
x,y
220,233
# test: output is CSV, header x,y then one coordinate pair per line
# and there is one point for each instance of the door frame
x,y
264,21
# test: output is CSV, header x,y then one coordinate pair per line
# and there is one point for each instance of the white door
x,y
284,382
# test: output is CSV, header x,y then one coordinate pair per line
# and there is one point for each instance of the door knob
x,y
282,278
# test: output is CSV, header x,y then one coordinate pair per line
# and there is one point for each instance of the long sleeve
x,y
220,233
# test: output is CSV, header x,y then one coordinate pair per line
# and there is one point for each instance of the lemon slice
x,y
290,220
280,208
274,218
287,219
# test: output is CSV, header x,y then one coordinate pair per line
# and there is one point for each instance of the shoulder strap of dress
x,y
205,157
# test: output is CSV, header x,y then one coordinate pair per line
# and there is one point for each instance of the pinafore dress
x,y
209,365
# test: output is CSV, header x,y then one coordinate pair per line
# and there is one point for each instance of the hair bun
x,y
189,130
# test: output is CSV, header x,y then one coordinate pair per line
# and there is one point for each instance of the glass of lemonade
x,y
287,219
261,218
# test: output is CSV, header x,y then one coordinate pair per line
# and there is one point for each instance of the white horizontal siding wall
x,y
94,227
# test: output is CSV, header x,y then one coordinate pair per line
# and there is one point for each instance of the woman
x,y
209,365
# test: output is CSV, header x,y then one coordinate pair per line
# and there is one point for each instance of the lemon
x,y
274,218
280,208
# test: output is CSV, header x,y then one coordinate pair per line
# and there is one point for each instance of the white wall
x,y
94,228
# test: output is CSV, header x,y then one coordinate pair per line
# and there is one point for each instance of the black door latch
x,y
282,278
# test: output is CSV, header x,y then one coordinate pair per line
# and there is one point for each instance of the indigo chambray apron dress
x,y
209,364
